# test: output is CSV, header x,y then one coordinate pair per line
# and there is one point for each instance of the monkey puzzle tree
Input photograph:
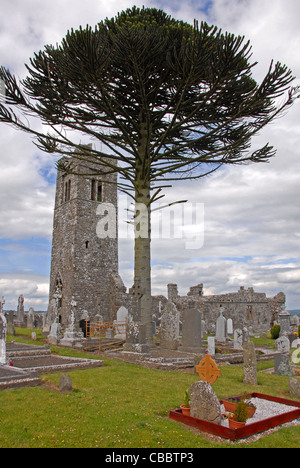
x,y
164,99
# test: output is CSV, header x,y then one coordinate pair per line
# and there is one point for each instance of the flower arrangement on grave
x,y
231,403
240,413
251,408
185,408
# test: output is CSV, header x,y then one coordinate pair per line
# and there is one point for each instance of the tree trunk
x,y
142,268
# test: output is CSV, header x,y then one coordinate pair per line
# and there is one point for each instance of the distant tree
x,y
167,101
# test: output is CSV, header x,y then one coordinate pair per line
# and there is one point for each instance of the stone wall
x,y
246,308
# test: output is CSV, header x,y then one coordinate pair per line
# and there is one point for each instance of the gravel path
x,y
264,409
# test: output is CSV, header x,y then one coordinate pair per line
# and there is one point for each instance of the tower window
x,y
99,193
93,191
67,190
87,244
96,191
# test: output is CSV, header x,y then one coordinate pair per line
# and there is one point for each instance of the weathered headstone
x,y
211,345
30,318
10,323
33,336
294,386
221,327
121,323
246,336
284,322
136,338
56,333
20,312
65,383
282,365
74,336
238,339
191,330
204,402
230,326
283,344
3,329
250,363
169,327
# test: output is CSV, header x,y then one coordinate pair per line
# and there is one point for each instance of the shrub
x,y
241,412
275,330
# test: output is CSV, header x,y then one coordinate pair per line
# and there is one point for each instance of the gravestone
x,y
20,312
229,326
282,365
211,345
238,339
56,333
221,327
283,344
294,386
33,336
250,363
74,336
30,318
121,323
191,330
10,323
284,322
169,327
136,338
204,403
65,383
246,336
3,329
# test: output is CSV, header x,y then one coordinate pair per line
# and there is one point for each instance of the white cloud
x,y
35,289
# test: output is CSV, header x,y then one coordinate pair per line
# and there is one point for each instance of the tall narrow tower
x,y
82,261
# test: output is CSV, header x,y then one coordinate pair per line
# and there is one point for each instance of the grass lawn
x,y
123,406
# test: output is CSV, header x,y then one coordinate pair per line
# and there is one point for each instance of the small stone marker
x,y
65,384
208,370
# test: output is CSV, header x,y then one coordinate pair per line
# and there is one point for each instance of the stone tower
x,y
83,260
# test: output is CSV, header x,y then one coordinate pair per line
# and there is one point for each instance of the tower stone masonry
x,y
82,261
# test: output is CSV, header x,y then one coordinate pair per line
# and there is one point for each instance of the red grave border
x,y
250,428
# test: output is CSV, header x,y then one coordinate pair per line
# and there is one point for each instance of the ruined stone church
x,y
85,279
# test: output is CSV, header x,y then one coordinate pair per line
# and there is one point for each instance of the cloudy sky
x,y
248,217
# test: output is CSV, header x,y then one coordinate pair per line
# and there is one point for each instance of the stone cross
x,y
208,370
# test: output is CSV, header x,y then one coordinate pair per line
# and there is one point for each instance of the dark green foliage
x,y
275,330
241,411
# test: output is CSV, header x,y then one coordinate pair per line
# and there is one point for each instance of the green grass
x,y
122,405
